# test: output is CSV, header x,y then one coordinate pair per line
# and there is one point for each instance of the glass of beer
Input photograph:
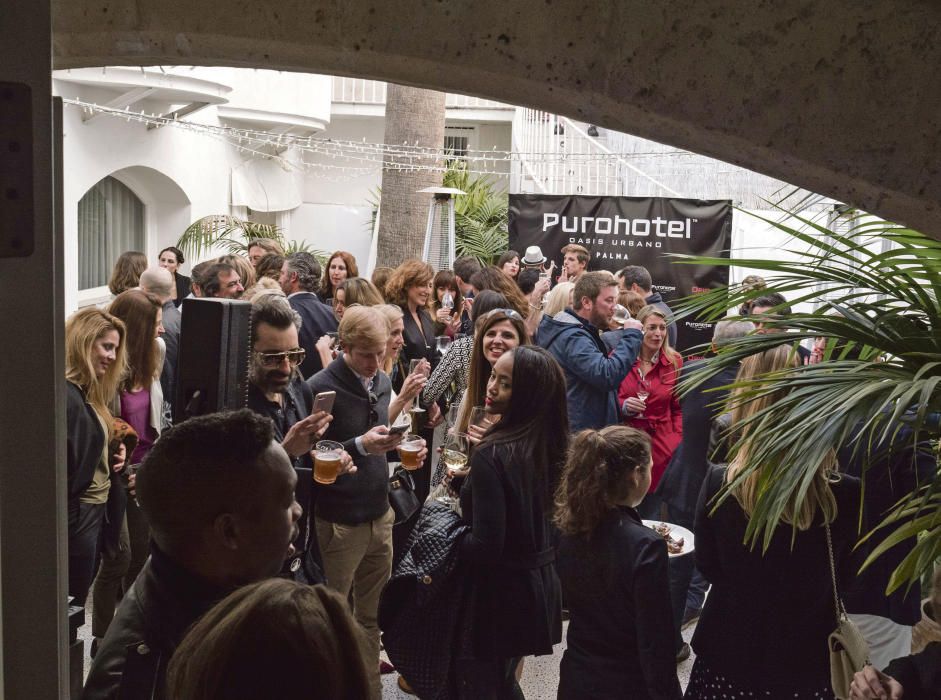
x,y
327,455
408,451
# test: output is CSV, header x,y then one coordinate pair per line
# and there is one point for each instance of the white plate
x,y
676,532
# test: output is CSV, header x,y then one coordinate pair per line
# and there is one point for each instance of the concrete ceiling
x,y
838,96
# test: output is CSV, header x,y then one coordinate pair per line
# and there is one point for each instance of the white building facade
x,y
132,184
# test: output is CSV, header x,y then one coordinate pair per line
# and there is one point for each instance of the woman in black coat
x,y
764,626
506,500
614,574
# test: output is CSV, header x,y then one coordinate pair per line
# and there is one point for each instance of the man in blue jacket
x,y
573,336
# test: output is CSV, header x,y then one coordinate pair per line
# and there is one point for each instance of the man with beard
x,y
592,375
277,390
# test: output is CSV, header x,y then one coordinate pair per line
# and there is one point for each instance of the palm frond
x,y
229,233
875,290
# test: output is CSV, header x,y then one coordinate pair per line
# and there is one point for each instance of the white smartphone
x,y
324,402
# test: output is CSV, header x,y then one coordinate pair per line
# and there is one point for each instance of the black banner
x,y
621,231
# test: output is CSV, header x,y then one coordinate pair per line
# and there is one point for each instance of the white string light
x,y
373,156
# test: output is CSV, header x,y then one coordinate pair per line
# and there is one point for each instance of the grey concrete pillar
x,y
32,413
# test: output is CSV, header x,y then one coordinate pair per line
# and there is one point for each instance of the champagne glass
x,y
454,453
643,391
454,412
414,365
443,343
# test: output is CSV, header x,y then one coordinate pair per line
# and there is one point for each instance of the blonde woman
x,y
648,398
414,382
560,299
764,627
94,364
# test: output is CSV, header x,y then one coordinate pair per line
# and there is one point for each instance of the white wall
x,y
179,175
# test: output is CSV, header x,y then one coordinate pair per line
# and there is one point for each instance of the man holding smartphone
x,y
353,520
276,390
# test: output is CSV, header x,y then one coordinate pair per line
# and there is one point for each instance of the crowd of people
x,y
222,564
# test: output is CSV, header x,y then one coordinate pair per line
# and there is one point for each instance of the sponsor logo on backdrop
x,y
605,225
619,231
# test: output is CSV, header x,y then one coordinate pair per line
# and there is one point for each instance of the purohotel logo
x,y
698,326
604,225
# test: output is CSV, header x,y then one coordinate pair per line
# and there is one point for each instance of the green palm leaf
x,y
876,290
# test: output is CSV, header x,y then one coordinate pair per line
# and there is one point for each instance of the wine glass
x,y
447,302
443,343
454,454
479,417
643,391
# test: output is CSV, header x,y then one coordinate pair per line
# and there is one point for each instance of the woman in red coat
x,y
648,399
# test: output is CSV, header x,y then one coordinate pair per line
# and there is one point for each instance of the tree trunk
x,y
414,117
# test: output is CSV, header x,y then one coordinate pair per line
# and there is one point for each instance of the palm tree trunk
x,y
414,117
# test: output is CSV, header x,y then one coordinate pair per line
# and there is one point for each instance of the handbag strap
x,y
838,603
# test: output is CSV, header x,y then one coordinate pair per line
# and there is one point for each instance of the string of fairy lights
x,y
363,158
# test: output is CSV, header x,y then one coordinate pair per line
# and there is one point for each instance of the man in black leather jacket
x,y
218,492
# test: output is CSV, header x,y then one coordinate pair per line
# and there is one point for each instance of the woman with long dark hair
x,y
140,404
447,319
341,266
94,364
450,376
506,500
496,332
170,259
614,573
509,264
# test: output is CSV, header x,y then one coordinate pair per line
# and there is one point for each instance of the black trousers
x,y
85,521
488,679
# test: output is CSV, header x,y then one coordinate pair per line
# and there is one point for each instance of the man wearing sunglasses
x,y
277,390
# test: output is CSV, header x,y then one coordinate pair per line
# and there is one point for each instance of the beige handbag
x,y
848,649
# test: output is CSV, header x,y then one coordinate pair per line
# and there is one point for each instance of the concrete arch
x,y
828,94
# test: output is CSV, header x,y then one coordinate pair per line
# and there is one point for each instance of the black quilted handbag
x,y
402,496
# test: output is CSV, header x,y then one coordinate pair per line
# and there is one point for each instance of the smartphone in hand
x,y
324,402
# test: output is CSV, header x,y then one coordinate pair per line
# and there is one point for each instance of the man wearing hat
x,y
533,257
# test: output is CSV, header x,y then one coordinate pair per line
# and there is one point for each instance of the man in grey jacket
x,y
592,376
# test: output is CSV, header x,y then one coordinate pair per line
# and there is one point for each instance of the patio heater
x,y
438,250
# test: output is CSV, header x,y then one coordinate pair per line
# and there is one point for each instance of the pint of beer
x,y
408,451
327,461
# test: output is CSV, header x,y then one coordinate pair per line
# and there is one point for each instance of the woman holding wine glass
x,y
449,378
506,500
648,399
448,297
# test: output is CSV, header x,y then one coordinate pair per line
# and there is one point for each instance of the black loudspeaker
x,y
213,362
